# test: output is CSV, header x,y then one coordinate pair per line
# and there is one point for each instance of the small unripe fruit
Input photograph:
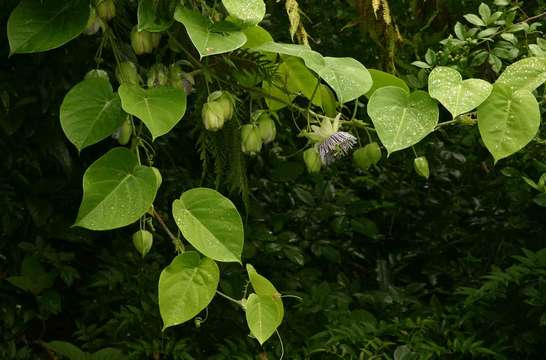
x,y
158,177
268,130
126,73
93,23
251,141
367,156
141,41
158,75
125,132
143,240
312,160
106,9
212,116
97,74
225,99
421,167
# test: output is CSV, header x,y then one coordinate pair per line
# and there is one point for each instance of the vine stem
x,y
179,246
238,302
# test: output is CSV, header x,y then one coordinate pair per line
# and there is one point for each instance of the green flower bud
x,y
93,23
156,39
268,130
226,101
143,240
106,9
212,116
141,41
312,160
97,74
421,167
158,75
125,132
251,141
367,156
126,73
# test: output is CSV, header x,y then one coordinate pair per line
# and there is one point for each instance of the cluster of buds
x,y
367,156
144,42
106,9
261,130
217,110
180,79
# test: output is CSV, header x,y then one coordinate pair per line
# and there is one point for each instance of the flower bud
x,y
156,39
93,23
106,9
143,240
251,141
97,74
225,99
421,167
367,156
312,160
124,132
126,73
267,128
158,75
141,41
212,116
180,79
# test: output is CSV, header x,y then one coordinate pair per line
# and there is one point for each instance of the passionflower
x,y
331,143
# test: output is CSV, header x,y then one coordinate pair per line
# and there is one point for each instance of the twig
x,y
176,241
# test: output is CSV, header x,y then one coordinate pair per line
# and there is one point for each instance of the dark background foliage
x,y
381,264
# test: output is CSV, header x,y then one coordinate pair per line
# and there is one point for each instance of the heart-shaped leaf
x,y
160,108
381,79
402,119
211,223
299,79
247,11
90,112
260,284
186,287
44,25
349,78
447,86
263,316
508,120
206,41
117,191
154,16
527,74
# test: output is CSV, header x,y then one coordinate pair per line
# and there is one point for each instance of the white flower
x,y
331,143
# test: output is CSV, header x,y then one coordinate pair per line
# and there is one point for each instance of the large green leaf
x,y
247,11
299,79
211,223
160,108
527,74
153,16
44,25
276,97
402,119
90,112
263,316
206,41
382,79
186,287
447,86
117,191
508,120
349,78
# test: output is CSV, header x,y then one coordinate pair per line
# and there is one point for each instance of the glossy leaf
x,y
117,191
159,108
447,86
36,26
402,119
508,120
149,17
186,287
206,41
299,79
349,78
247,11
527,74
211,223
381,79
263,316
260,284
256,36
90,112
